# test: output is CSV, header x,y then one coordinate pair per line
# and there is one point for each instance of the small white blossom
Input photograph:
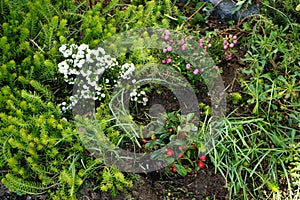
x,y
133,93
101,50
127,70
62,48
73,46
67,53
80,63
80,54
63,67
83,47
97,88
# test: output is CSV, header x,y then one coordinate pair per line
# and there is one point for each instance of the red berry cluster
x,y
201,162
173,168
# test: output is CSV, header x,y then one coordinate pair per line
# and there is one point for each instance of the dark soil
x,y
198,185
160,186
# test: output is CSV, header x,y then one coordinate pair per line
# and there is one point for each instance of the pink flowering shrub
x,y
219,48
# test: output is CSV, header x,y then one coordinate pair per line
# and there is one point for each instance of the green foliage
x,y
30,38
236,97
184,143
259,151
40,149
282,12
274,69
114,180
252,150
37,142
24,187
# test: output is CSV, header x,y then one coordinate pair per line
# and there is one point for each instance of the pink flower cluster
x,y
168,60
168,42
228,45
205,43
195,71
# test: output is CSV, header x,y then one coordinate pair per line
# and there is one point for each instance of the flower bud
x,y
188,66
196,71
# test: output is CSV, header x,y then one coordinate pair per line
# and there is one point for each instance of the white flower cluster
x,y
89,65
138,96
127,71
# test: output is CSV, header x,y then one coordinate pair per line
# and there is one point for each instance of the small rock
x,y
226,7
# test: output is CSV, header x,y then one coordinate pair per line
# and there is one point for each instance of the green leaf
x,y
181,19
190,116
278,141
255,109
159,141
149,145
247,27
239,5
170,160
156,155
197,18
181,170
163,136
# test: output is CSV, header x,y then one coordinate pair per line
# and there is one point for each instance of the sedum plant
x,y
38,145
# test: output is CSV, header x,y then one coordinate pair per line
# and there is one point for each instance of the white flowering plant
x,y
98,72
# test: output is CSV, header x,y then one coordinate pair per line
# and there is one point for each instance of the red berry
x,y
180,155
144,140
180,148
170,152
203,158
183,134
195,148
201,164
174,170
171,129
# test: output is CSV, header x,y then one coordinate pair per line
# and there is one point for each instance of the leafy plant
x,y
37,142
114,180
182,142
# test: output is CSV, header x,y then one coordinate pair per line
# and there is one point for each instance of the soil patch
x,y
158,185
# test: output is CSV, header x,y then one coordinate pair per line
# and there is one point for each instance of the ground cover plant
x,y
46,45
